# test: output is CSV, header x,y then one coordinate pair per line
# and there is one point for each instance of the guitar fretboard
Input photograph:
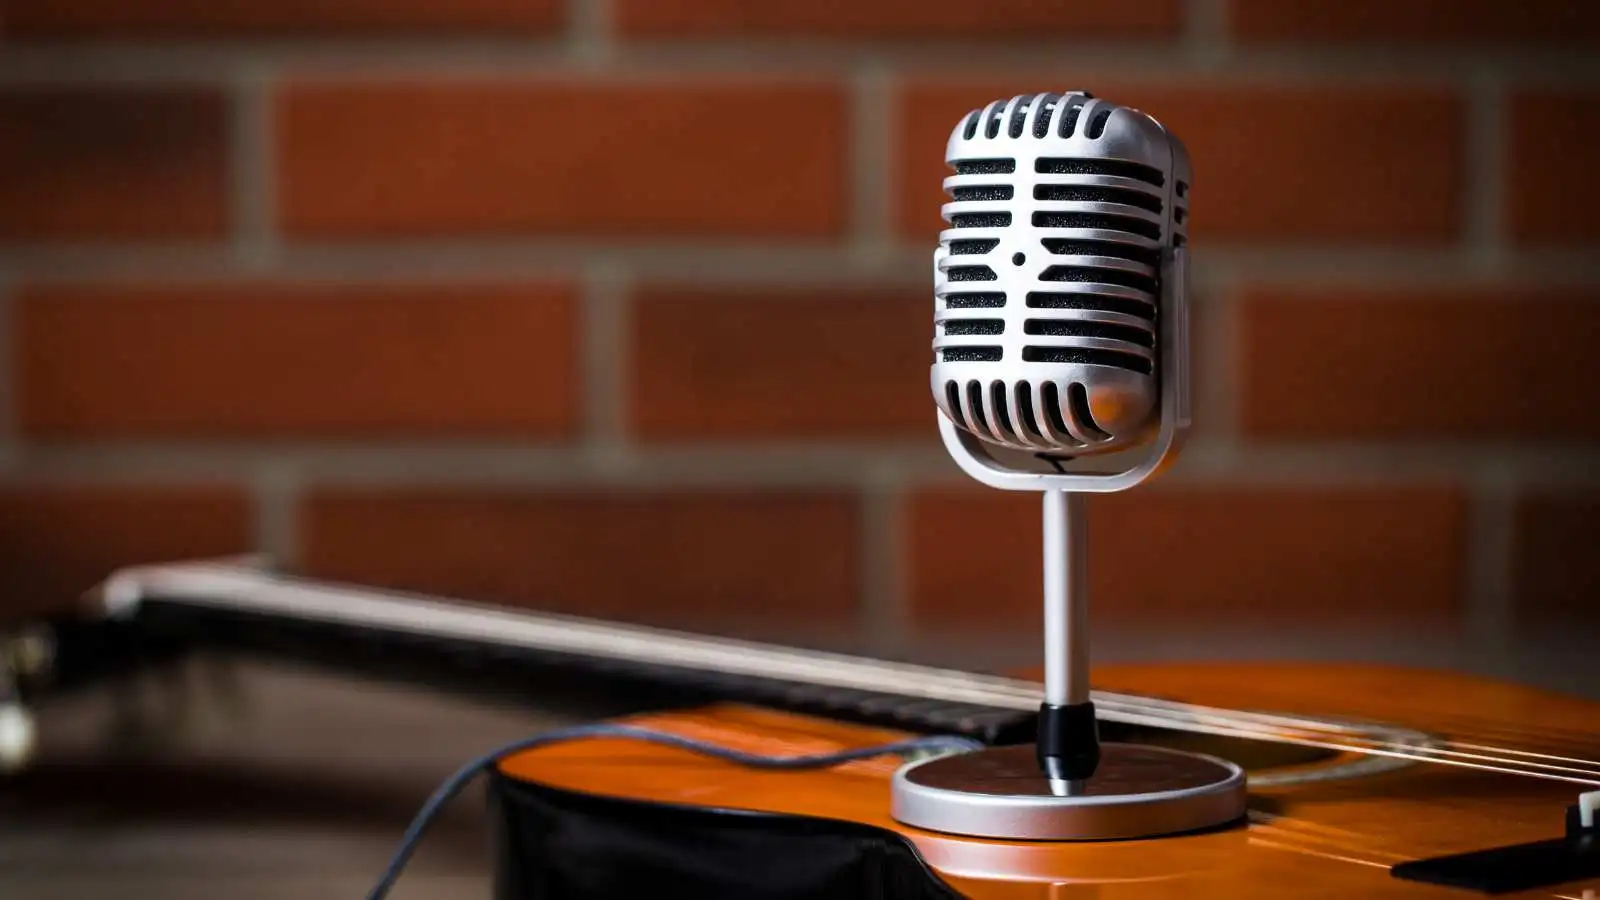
x,y
516,654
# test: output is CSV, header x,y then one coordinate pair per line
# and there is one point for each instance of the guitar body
x,y
1320,825
1363,781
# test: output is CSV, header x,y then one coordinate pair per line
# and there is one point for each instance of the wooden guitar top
x,y
1327,837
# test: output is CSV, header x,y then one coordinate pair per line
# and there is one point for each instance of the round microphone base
x,y
1137,792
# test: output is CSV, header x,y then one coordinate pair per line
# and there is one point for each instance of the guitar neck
x,y
155,612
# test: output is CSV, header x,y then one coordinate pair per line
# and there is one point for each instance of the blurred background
x,y
622,307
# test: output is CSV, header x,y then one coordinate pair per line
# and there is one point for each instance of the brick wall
x,y
622,306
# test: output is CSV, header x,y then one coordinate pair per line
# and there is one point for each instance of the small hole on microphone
x,y
1002,415
1051,397
1025,409
1018,259
1097,125
1078,400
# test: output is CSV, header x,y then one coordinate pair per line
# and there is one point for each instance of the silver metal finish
x,y
1061,330
1055,275
1137,791
1066,600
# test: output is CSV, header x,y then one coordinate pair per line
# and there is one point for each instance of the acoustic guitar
x,y
1362,781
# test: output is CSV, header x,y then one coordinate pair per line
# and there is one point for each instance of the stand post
x,y
1069,740
1087,792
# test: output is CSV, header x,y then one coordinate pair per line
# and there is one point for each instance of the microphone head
x,y
1049,282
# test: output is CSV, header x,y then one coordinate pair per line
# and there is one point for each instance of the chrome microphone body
x,y
1061,332
1049,279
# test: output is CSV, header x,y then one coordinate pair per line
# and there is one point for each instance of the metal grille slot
x,y
983,192
1058,165
1077,328
971,354
977,300
1094,222
1148,256
1100,275
986,167
1098,302
1077,193
1078,400
1087,358
974,326
973,247
970,273
980,220
1002,416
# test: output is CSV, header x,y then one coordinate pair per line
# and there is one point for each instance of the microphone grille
x,y
1062,206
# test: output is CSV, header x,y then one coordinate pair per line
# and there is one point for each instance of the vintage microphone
x,y
1061,365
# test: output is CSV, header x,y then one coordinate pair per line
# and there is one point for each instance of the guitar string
x,y
427,616
1172,714
1453,739
1398,752
1471,729
1443,752
1461,749
1485,727
1275,724
1267,726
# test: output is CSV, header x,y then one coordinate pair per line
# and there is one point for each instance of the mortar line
x,y
275,489
884,616
604,343
872,163
252,178
1484,170
589,32
1205,33
589,40
1215,329
904,263
1322,464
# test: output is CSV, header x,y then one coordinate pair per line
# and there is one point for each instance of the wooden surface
x,y
1320,839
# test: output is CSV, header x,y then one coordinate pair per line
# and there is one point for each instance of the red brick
x,y
1556,575
1551,188
675,557
1422,21
248,18
668,156
876,19
767,363
1473,363
80,164
280,360
1271,163
58,541
1227,555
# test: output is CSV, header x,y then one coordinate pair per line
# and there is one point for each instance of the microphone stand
x,y
1068,741
1067,786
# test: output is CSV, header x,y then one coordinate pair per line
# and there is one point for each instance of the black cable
x,y
464,776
